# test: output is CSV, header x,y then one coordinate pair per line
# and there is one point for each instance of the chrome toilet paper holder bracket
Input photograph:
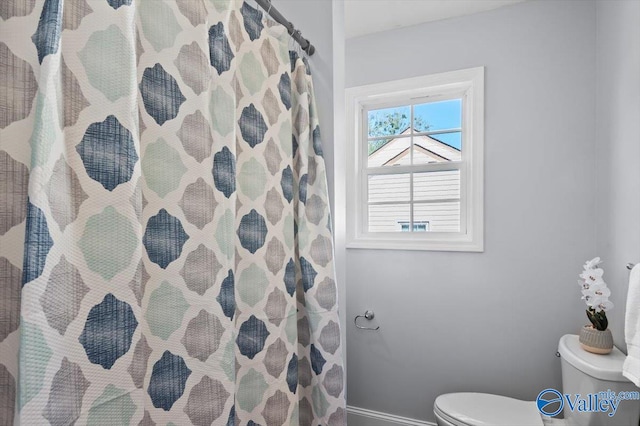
x,y
368,315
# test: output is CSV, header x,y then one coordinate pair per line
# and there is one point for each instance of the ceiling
x,y
371,16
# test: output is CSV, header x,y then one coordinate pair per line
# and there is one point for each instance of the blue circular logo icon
x,y
550,402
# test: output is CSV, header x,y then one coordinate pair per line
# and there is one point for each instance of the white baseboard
x,y
363,417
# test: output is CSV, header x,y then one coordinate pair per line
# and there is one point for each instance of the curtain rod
x,y
296,34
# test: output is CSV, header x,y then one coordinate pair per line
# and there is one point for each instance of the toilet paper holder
x,y
368,315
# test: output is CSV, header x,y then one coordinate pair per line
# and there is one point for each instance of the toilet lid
x,y
481,409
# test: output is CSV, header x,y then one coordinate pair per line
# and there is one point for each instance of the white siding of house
x,y
442,217
428,186
431,186
390,150
387,217
396,152
384,188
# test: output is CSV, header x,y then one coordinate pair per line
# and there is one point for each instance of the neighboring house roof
x,y
426,150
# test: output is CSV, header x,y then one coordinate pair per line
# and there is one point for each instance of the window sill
x,y
449,244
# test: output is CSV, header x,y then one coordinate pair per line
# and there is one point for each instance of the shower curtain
x,y
165,239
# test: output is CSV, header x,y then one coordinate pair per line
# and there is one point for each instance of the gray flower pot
x,y
596,341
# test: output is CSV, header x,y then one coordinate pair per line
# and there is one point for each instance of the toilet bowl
x,y
475,409
582,373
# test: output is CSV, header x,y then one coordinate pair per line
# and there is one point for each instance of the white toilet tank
x,y
587,374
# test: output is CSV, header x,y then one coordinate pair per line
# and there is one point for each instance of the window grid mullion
x,y
419,168
432,132
388,203
411,202
411,173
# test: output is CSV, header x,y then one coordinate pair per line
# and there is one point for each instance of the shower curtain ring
x,y
299,45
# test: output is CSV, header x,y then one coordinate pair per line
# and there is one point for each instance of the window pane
x,y
384,188
389,121
440,148
453,139
388,217
442,217
391,152
437,116
431,186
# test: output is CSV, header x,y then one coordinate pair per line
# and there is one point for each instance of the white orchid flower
x,y
591,264
592,276
586,285
588,296
604,305
602,291
595,298
598,287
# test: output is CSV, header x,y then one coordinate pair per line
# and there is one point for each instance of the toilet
x,y
582,373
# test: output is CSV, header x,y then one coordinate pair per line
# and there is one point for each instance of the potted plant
x,y
595,337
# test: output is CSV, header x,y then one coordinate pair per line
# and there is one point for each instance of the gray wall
x,y
618,147
487,322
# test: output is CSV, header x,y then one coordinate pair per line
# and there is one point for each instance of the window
x,y
417,156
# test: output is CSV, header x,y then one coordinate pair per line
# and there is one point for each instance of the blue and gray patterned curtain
x,y
165,242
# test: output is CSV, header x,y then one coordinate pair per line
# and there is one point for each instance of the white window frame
x,y
467,84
